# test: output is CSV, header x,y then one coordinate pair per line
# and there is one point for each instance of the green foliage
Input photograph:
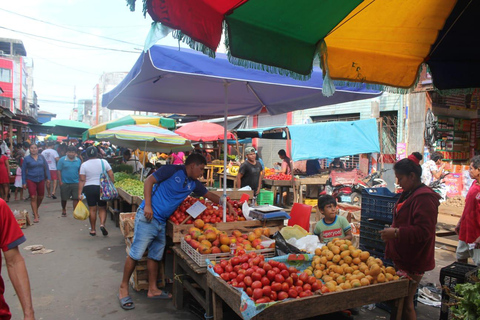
x,y
123,167
119,176
468,305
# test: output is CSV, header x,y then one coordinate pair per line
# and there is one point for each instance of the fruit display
x,y
212,214
119,176
233,170
279,176
131,186
269,171
207,239
341,266
267,281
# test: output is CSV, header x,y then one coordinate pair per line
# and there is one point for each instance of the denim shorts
x,y
149,235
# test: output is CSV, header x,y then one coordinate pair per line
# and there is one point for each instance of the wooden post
x,y
289,145
380,141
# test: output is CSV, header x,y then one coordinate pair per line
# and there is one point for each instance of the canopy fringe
x,y
195,45
259,66
131,4
328,88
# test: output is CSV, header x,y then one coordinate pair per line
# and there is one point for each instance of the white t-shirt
x,y
50,155
428,168
92,169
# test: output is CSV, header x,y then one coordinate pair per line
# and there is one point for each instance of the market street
x,y
79,280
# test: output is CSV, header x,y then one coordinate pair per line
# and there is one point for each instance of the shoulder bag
x,y
107,189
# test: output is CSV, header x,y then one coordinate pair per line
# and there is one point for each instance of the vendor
x,y
286,166
132,160
337,165
164,191
313,167
250,172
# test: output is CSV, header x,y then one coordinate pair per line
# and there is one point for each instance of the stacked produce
x,y
269,171
212,214
207,239
341,266
267,281
279,176
131,186
119,176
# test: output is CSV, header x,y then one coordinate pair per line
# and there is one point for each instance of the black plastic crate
x,y
370,235
450,276
378,203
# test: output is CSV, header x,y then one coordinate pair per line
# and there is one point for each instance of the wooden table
x,y
273,184
307,182
210,171
229,177
187,275
394,292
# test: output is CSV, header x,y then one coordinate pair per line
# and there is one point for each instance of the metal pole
x,y
225,122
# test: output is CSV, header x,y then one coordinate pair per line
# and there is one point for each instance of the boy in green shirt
x,y
331,226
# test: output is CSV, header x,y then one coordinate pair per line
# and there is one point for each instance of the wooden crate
x,y
177,232
139,278
234,194
126,225
125,196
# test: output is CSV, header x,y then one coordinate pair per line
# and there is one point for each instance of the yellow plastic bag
x,y
296,232
81,211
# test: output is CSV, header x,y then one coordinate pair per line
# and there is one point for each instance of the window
x,y
5,102
5,75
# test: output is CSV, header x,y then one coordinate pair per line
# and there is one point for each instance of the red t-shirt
x,y
10,237
470,225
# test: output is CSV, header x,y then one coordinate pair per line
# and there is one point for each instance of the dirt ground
x,y
80,279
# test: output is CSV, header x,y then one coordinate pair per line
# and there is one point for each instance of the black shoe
x,y
54,197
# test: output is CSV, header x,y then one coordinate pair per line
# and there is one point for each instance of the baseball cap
x,y
249,150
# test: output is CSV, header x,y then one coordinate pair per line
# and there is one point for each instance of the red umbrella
x,y
203,131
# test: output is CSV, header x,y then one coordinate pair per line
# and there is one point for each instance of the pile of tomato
x,y
279,176
267,281
212,214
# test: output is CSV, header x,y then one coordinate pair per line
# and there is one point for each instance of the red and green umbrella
x,y
372,41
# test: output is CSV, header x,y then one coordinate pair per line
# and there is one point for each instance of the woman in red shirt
x,y
410,241
4,176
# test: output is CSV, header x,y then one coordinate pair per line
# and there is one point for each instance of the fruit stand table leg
x,y
217,307
177,283
397,308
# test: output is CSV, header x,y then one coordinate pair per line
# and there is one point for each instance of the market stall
x,y
331,140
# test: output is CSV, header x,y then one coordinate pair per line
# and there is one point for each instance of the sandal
x,y
104,231
36,220
164,296
126,303
93,233
64,214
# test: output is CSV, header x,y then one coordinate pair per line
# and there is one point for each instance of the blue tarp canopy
x,y
167,80
324,140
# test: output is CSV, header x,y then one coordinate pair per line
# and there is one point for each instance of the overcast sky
x,y
72,63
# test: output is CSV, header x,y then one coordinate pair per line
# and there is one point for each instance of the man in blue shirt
x,y
164,191
67,168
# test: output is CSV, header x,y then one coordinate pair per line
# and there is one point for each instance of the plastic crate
x,y
378,203
369,233
265,197
450,276
311,202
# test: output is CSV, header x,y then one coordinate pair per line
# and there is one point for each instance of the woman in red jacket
x,y
410,241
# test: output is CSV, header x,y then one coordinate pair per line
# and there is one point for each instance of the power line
x,y
64,41
68,28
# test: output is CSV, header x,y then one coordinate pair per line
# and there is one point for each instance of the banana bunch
x,y
234,170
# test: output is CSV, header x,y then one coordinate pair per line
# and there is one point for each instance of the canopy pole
x,y
225,122
143,167
289,146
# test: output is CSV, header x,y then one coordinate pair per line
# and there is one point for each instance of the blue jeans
x,y
148,235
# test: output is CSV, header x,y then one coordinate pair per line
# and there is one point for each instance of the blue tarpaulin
x,y
323,140
333,139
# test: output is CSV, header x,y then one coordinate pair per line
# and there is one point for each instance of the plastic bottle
x,y
233,247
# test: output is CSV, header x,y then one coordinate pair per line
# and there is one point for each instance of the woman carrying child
x,y
410,241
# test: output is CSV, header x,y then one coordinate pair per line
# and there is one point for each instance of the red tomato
x,y
276,270
257,293
267,290
292,293
233,275
276,286
242,285
256,284
245,266
228,268
307,286
261,271
265,281
324,289
261,264
225,276
249,291
285,287
248,281
282,266
303,277
218,269
294,276
235,261
273,296
279,278
249,272
282,295
223,263
256,276
303,294
289,280
274,263
299,282
312,279
240,277
267,266
285,273
315,286
271,275
292,270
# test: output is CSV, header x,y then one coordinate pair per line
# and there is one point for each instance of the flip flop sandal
x,y
104,231
93,234
126,303
36,220
64,214
164,296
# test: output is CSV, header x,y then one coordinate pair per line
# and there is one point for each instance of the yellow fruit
x,y
348,270
351,248
364,282
355,253
374,270
318,274
340,279
348,242
381,278
356,261
338,289
330,255
356,284
326,278
323,260
318,251
309,272
329,263
346,285
389,276
379,261
336,258
345,254
364,255
396,277
335,250
344,247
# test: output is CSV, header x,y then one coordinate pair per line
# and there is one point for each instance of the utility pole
x,y
74,99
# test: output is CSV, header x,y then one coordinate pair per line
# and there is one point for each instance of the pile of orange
x,y
341,266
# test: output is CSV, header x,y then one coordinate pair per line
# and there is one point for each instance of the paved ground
x,y
79,280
